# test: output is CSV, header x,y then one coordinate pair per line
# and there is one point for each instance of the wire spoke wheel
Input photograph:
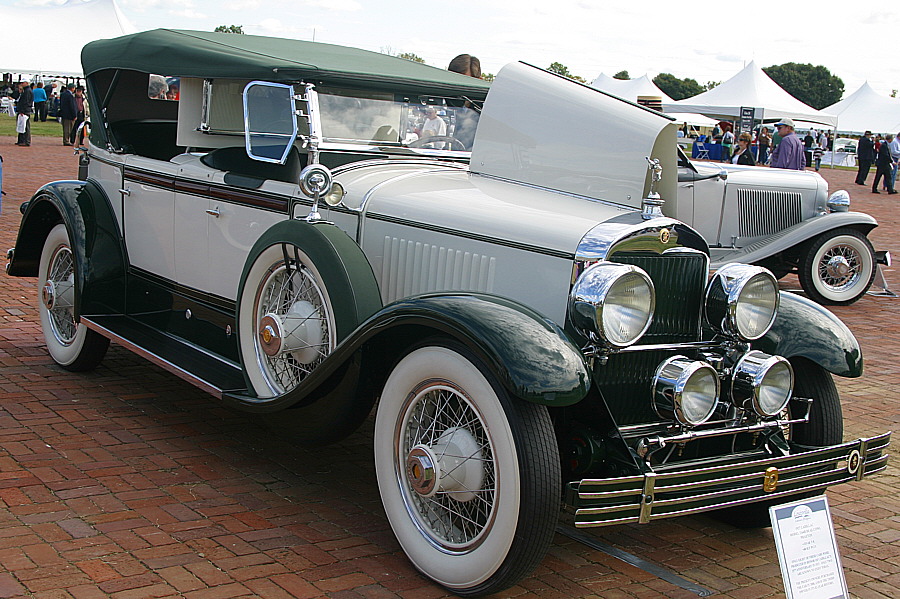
x,y
838,267
444,430
291,322
469,477
71,344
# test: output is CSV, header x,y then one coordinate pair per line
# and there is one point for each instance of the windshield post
x,y
314,118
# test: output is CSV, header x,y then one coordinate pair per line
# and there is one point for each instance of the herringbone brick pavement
x,y
127,482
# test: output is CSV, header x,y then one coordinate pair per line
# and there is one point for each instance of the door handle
x,y
125,192
213,211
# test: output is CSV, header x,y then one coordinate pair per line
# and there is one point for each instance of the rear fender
x,y
97,243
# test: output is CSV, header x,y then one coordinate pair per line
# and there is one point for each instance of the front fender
x,y
532,357
797,235
97,244
805,329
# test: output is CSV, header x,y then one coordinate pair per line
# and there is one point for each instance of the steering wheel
x,y
437,139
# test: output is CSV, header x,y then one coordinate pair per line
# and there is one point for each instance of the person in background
x,y
809,140
25,105
789,152
865,156
764,141
894,146
883,166
80,114
40,102
743,155
68,112
727,145
466,64
817,153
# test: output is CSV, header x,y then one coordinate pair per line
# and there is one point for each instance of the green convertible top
x,y
205,54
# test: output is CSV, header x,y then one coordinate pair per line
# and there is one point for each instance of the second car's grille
x,y
766,212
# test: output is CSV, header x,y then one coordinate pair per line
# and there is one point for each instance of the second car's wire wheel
x,y
840,266
449,474
58,295
295,329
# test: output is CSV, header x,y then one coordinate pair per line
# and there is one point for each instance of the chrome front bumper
x,y
652,496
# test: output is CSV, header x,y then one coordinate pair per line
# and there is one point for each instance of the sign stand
x,y
807,550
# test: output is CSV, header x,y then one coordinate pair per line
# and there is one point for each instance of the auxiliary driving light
x,y
685,390
742,300
767,381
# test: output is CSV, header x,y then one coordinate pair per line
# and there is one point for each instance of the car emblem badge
x,y
854,461
770,479
664,236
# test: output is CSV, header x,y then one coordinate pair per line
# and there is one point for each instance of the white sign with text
x,y
807,550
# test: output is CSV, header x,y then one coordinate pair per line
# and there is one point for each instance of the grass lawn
x,y
49,128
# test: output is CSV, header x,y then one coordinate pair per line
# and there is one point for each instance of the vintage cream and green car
x,y
315,228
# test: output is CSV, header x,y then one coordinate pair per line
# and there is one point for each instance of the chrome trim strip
x,y
158,360
724,485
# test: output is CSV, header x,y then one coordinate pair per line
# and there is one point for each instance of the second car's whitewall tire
x,y
480,564
851,250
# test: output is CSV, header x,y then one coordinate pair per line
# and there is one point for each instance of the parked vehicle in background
x,y
845,144
784,220
533,328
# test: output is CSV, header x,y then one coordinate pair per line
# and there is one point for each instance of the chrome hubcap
x,y
837,267
452,466
299,333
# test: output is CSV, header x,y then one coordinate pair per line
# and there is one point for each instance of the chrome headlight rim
x,y
669,383
589,303
723,301
749,379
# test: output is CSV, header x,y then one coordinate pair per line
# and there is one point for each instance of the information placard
x,y
807,550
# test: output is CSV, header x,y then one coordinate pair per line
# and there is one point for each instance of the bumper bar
x,y
652,496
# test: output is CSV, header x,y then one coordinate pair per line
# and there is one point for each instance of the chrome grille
x,y
766,212
680,281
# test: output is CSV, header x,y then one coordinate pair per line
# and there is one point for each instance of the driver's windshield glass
x,y
432,123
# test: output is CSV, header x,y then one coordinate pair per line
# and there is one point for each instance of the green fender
x,y
530,355
805,329
97,243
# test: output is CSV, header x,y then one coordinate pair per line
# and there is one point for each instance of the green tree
x,y
623,75
411,56
813,85
561,69
675,88
229,29
488,76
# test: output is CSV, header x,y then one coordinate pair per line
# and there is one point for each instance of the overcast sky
x,y
706,41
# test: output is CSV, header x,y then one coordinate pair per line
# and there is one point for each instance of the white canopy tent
x,y
750,88
71,26
867,110
631,89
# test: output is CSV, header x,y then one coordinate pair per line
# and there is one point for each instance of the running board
x,y
195,366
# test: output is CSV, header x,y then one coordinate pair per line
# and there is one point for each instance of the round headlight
x,y
685,390
612,302
839,201
742,300
767,381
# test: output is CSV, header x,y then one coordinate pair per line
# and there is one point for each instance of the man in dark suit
x,y
68,112
884,165
865,156
25,105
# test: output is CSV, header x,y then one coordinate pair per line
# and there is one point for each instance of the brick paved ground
x,y
127,482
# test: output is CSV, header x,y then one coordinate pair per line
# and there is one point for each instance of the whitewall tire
x,y
838,267
468,476
71,344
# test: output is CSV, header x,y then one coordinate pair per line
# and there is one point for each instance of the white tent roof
x,y
867,110
71,26
630,89
751,87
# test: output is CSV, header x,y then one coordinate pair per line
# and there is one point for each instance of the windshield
x,y
430,123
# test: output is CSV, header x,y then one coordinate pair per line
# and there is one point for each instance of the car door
x,y
148,206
